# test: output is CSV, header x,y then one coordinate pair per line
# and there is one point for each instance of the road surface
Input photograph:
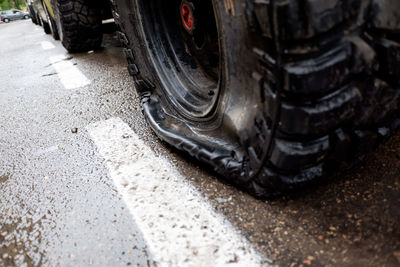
x,y
83,181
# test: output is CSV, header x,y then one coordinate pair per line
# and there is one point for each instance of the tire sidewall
x,y
58,25
236,83
52,24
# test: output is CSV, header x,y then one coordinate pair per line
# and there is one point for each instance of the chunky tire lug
x,y
80,24
326,78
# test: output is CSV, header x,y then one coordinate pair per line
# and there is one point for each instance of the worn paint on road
x,y
179,225
351,221
70,76
46,45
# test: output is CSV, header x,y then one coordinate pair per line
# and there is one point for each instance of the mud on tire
x,y
302,86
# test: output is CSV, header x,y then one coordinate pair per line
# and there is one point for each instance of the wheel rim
x,y
183,46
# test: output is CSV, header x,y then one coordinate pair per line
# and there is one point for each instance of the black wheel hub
x,y
184,46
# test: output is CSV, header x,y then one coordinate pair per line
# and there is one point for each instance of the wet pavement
x,y
60,203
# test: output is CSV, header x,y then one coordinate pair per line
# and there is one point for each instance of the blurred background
x,y
10,4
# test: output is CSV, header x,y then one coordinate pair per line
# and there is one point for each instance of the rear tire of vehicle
x,y
39,21
6,20
33,15
26,17
302,87
52,24
34,21
46,27
80,24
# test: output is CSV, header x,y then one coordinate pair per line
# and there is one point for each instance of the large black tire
x,y
33,15
39,21
52,24
303,86
45,25
80,24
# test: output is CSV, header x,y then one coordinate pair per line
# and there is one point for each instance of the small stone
x,y
8,237
74,130
221,200
234,260
126,136
307,262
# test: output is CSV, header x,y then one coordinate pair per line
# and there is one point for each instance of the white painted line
x,y
46,45
180,227
71,77
46,150
108,21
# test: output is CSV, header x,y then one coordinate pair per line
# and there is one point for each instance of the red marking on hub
x,y
187,17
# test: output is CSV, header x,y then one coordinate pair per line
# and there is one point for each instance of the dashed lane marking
x,y
70,76
46,45
180,227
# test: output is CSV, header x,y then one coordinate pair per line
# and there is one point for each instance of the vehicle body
x,y
273,95
13,14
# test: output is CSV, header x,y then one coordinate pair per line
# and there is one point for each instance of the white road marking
x,y
108,21
46,150
46,45
180,227
71,77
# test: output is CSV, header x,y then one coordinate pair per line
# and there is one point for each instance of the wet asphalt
x,y
59,206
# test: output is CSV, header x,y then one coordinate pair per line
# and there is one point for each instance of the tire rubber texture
x,y
319,80
45,25
33,15
52,24
38,19
80,24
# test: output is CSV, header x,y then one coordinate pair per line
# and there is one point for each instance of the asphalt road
x,y
83,181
